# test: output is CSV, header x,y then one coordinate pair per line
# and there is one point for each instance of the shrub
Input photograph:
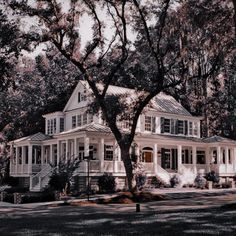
x,y
140,180
157,182
226,185
200,181
212,176
174,181
58,181
106,183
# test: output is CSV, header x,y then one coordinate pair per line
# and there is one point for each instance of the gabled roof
x,y
35,137
217,139
92,127
162,102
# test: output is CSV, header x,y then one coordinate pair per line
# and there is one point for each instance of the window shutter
x,y
186,127
162,124
172,126
176,127
153,124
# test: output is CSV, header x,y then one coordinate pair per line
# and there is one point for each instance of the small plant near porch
x,y
62,176
106,183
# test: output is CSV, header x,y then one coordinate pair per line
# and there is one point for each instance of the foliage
x,y
157,182
212,176
200,181
226,185
106,183
174,181
61,178
139,175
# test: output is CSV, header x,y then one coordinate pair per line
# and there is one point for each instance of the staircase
x,y
164,175
41,179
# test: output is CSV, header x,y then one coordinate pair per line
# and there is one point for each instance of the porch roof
x,y
92,127
218,139
34,137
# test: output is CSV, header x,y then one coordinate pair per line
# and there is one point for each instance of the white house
x,y
167,141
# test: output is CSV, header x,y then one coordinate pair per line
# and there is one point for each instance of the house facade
x,y
167,141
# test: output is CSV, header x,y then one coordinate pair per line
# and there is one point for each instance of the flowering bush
x,y
200,181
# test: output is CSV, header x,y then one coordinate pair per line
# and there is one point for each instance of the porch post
x,y
194,155
101,154
155,159
226,159
42,155
218,155
58,151
17,160
67,149
23,157
76,150
86,146
51,152
208,161
234,159
138,152
115,156
30,159
179,156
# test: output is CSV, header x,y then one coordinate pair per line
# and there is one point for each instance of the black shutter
x,y
176,127
172,126
186,127
162,124
153,123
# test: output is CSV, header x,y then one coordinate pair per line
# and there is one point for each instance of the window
x,y
190,128
108,152
79,97
201,157
73,121
62,126
230,159
85,118
186,156
195,131
180,127
148,123
166,125
79,120
51,126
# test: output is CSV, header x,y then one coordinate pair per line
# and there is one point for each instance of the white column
x,y
218,155
58,151
155,158
234,159
42,155
17,159
158,125
101,154
208,159
51,153
86,146
76,150
67,150
194,156
23,157
179,156
138,152
226,159
115,157
30,153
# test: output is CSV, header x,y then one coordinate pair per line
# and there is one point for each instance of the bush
x,y
174,181
200,181
106,183
140,180
17,190
226,185
157,182
58,181
212,176
38,197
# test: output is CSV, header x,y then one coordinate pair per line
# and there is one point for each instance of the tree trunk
x,y
128,166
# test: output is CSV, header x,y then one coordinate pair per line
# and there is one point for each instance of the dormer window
x,y
82,96
51,126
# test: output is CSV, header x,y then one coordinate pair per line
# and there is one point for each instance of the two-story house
x,y
167,141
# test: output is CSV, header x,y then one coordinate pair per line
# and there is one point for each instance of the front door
x,y
169,159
